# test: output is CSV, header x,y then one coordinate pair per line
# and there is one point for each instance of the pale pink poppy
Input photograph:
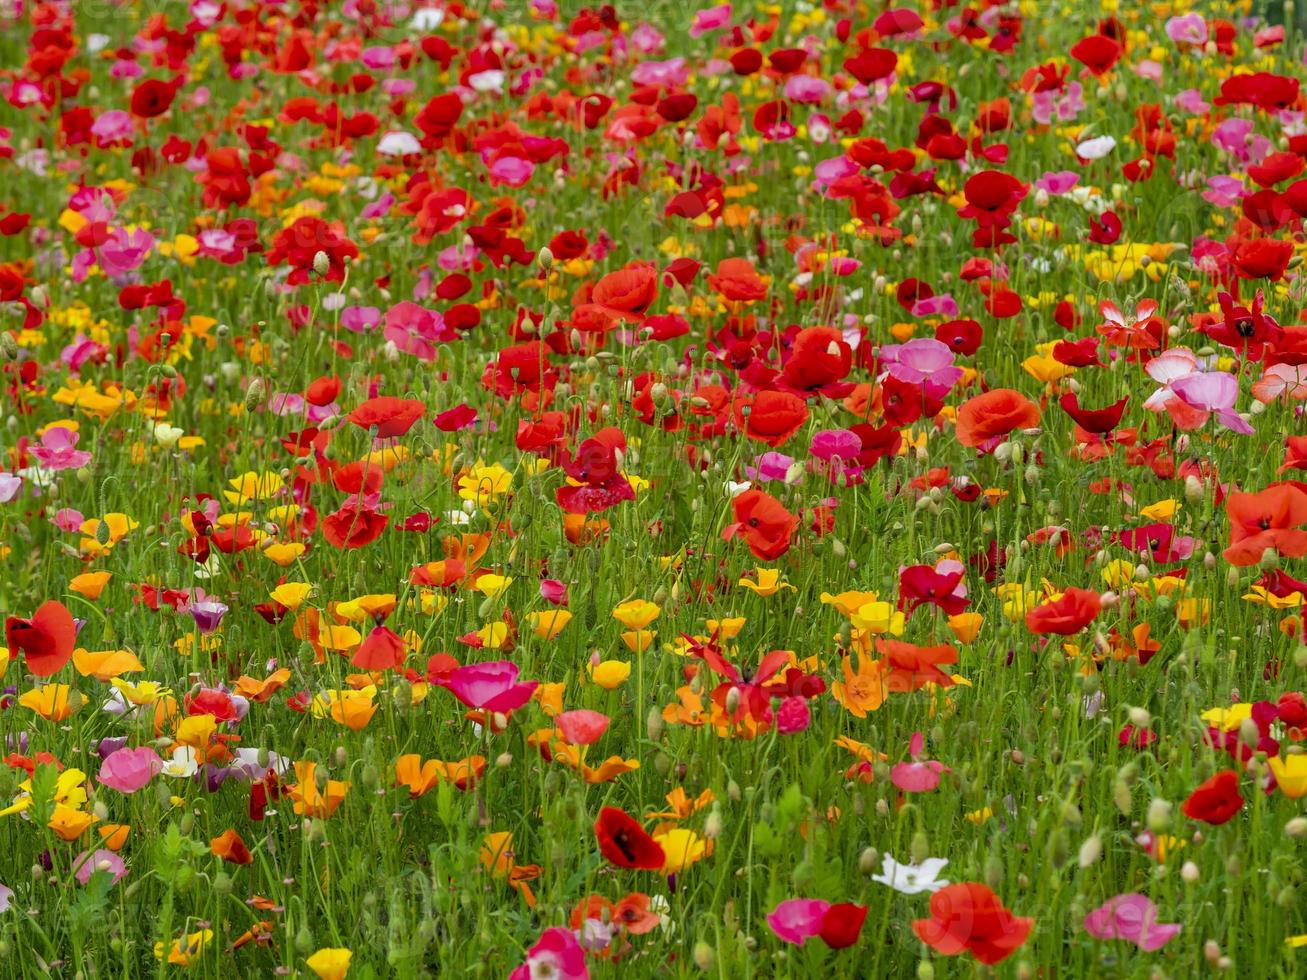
x,y
1132,917
582,726
129,770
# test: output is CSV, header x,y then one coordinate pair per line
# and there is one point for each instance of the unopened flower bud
x,y
321,262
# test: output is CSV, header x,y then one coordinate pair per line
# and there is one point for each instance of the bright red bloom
x,y
842,924
991,196
393,417
764,523
770,416
47,639
1215,801
381,649
627,293
1097,53
1067,615
152,98
625,843
1096,420
301,243
910,667
1272,518
969,918
353,526
993,415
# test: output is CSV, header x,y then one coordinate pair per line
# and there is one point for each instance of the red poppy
x,y
991,196
1069,614
819,360
771,416
842,924
962,336
921,585
1097,53
152,98
382,649
625,843
353,526
1272,518
764,523
393,417
1215,801
910,667
47,639
1262,258
993,415
738,281
302,243
871,64
969,918
627,293
1271,93
1096,420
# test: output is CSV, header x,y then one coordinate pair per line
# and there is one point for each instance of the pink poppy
x,y
492,686
1132,917
581,727
796,920
89,862
557,955
129,770
58,449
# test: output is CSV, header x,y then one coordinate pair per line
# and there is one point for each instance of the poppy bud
x,y
1059,849
1159,815
732,700
222,883
919,849
187,824
1090,851
304,940
503,760
994,871
704,956
868,860
1296,828
1249,733
1211,951
654,724
925,970
545,257
255,395
8,346
712,827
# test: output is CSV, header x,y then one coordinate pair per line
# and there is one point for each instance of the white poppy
x,y
398,143
912,879
1096,148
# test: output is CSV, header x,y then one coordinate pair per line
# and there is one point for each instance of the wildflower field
x,y
541,490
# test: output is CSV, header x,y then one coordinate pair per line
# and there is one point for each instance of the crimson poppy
x,y
842,924
625,843
1216,800
1098,420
